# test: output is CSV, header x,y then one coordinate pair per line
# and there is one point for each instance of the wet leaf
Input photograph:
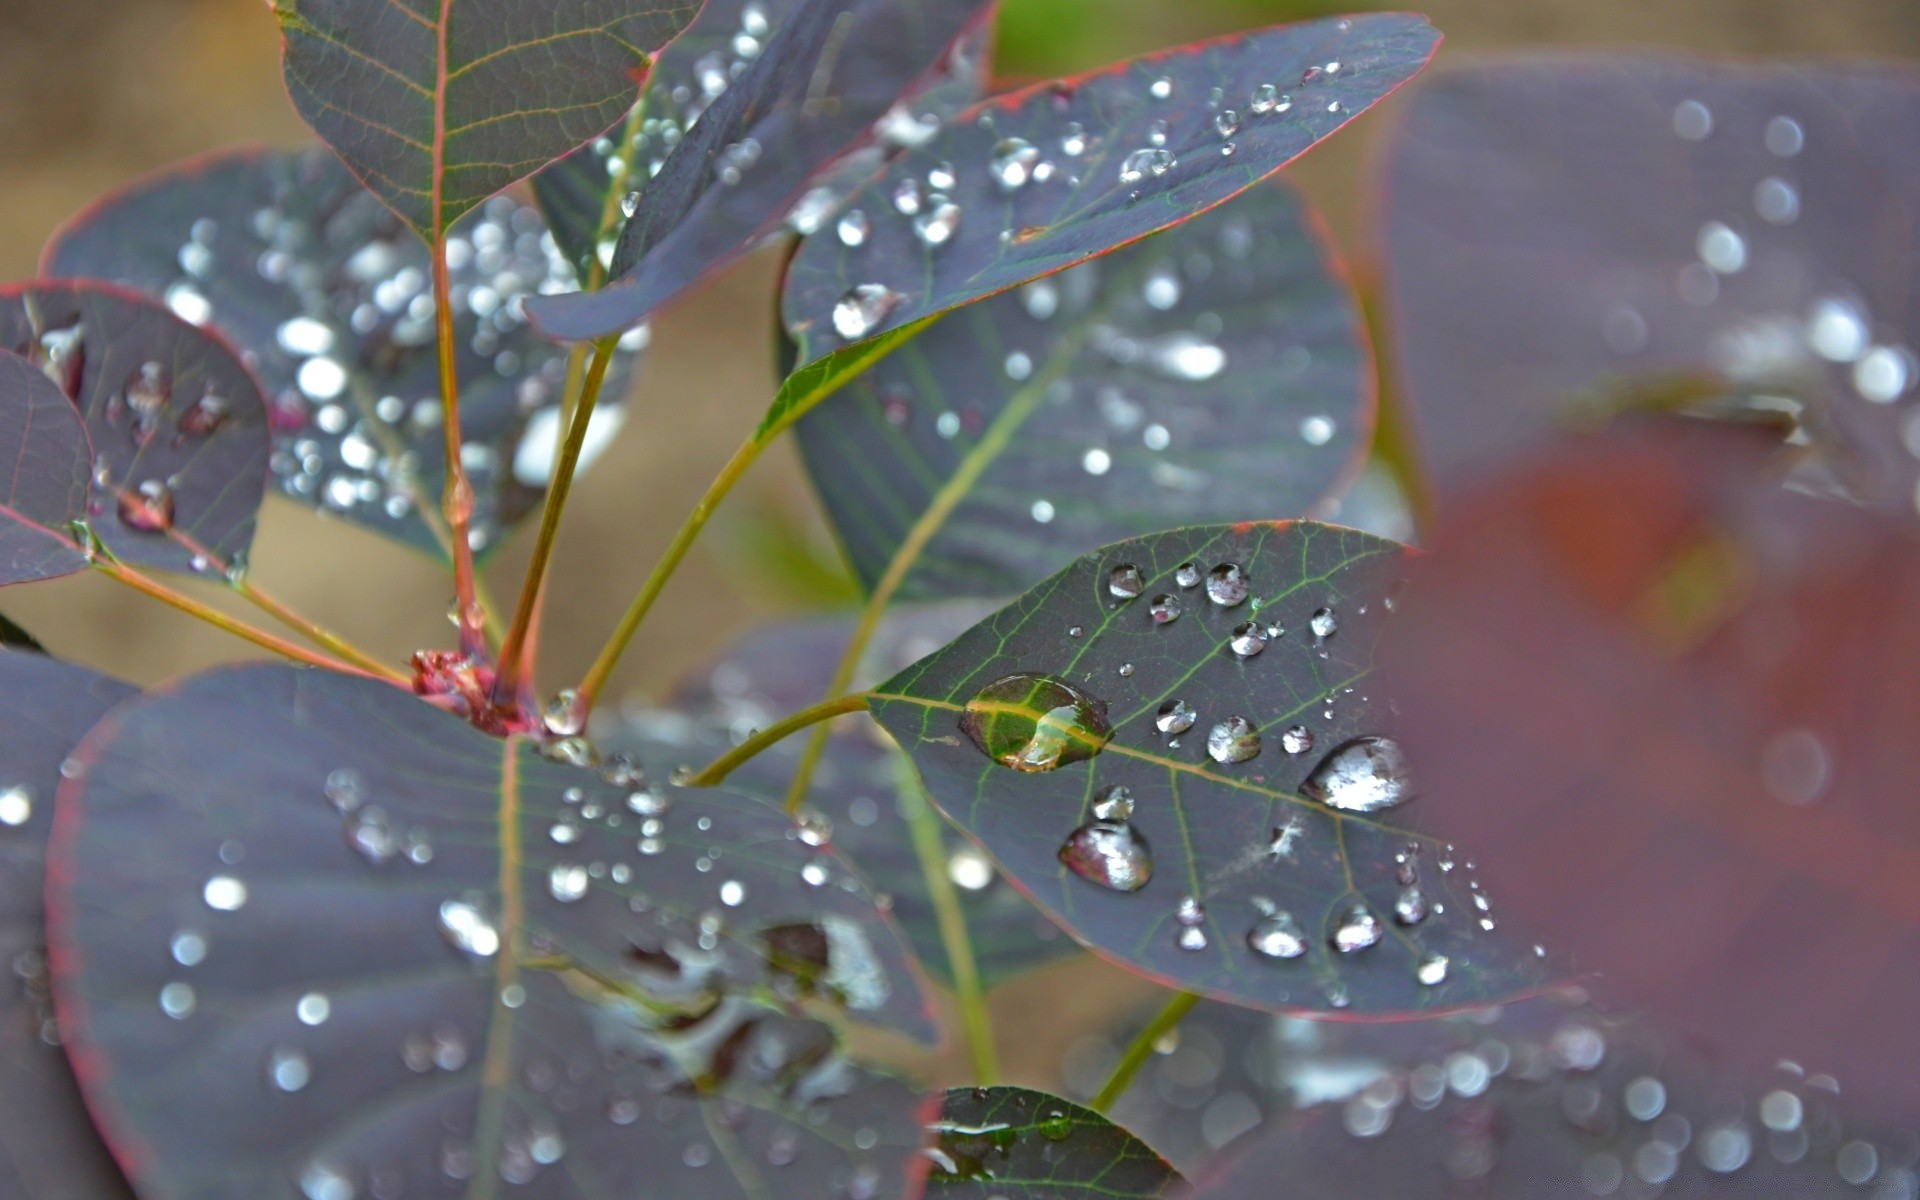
x,y
50,1151
1031,182
177,424
331,301
705,194
1168,705
1571,235
576,983
46,490
862,786
1689,742
437,108
1216,373
1025,1145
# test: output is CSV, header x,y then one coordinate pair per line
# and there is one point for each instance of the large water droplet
x,y
1233,740
1035,723
1012,163
862,309
1187,575
1227,585
1125,581
1154,161
1364,775
1111,854
1174,718
1277,935
1358,929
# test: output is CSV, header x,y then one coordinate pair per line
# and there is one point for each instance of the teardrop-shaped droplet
x,y
1410,907
1233,740
1358,929
565,715
1152,161
1174,718
1012,163
936,226
1165,609
1125,581
1113,803
1227,585
1109,853
1364,775
1036,723
1248,639
1432,971
862,309
148,508
1277,936
1226,122
853,228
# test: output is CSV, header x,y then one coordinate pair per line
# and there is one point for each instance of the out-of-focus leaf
x,y
331,303
46,488
177,425
438,106
1217,373
1025,1145
1028,183
417,954
1564,235
49,1150
859,787
1680,699
912,65
15,638
1175,746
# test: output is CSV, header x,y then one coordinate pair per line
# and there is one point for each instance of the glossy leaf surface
x,y
1025,1145
1226,877
728,146
533,974
437,106
1217,373
1569,234
862,788
50,1150
1029,183
1689,745
177,424
46,487
331,300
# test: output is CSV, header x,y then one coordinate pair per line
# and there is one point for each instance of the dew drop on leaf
x,y
1154,161
1298,739
853,228
1410,907
1174,718
1113,803
1165,609
1233,740
16,805
1432,970
1187,575
862,309
1111,854
1125,581
1324,623
1248,639
1012,164
1035,723
148,508
1365,775
1227,585
469,929
936,226
224,893
1277,935
1358,930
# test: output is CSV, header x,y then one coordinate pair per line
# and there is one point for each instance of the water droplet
x,y
936,226
969,868
323,1181
1233,740
1012,163
371,835
1298,739
1155,161
565,715
861,310
1268,99
1125,581
288,1070
1126,670
733,893
469,929
1692,120
177,1000
148,508
1277,935
1174,718
1883,374
1162,290
1110,854
1317,430
1041,298
1324,623
1365,775
1096,461
1073,140
1358,929
1183,356
1795,767
1776,201
1432,970
1721,249
224,893
1410,907
1161,88
1165,609
1035,723
567,882
16,805
1248,639
1784,137
188,948
1226,122
1228,586
313,1009
853,228
1187,575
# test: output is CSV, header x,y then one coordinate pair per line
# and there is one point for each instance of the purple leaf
x,y
1175,747
573,981
328,297
1217,373
51,1151
731,141
1018,1144
46,485
177,424
437,108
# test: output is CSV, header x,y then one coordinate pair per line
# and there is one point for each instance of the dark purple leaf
x,y
330,300
46,487
1018,1144
906,66
15,638
859,785
416,955
50,1150
1566,234
177,424
438,107
1208,680
1028,183
1214,374
1688,743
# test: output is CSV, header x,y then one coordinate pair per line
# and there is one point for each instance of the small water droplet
x,y
1233,740
16,805
1784,137
1410,907
862,309
969,868
148,508
1113,803
1692,120
188,948
313,1009
1228,586
1248,639
1432,971
288,1070
469,929
1187,575
1125,581
1277,935
565,714
1154,161
1358,930
1035,723
1721,249
1012,163
177,1000
936,226
1298,739
1111,854
224,893
1174,718
853,228
733,893
1268,99
567,882
1226,122
1365,775
1161,88
1324,623
1165,609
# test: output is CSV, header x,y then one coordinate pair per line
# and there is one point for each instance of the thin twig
x,y
826,710
923,824
457,502
1163,1023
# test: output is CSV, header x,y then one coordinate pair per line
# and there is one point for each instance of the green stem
x,y
314,632
923,824
596,678
826,710
1165,1021
457,503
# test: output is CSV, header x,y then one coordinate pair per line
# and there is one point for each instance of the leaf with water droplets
x,y
1051,175
1142,390
331,302
51,1151
1219,837
46,491
438,107
172,486
1020,1144
752,119
1689,739
315,898
1659,231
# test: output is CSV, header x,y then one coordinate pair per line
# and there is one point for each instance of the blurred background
x,y
93,94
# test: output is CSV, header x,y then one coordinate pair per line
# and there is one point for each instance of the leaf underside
x,y
1020,1144
530,973
46,488
1230,843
